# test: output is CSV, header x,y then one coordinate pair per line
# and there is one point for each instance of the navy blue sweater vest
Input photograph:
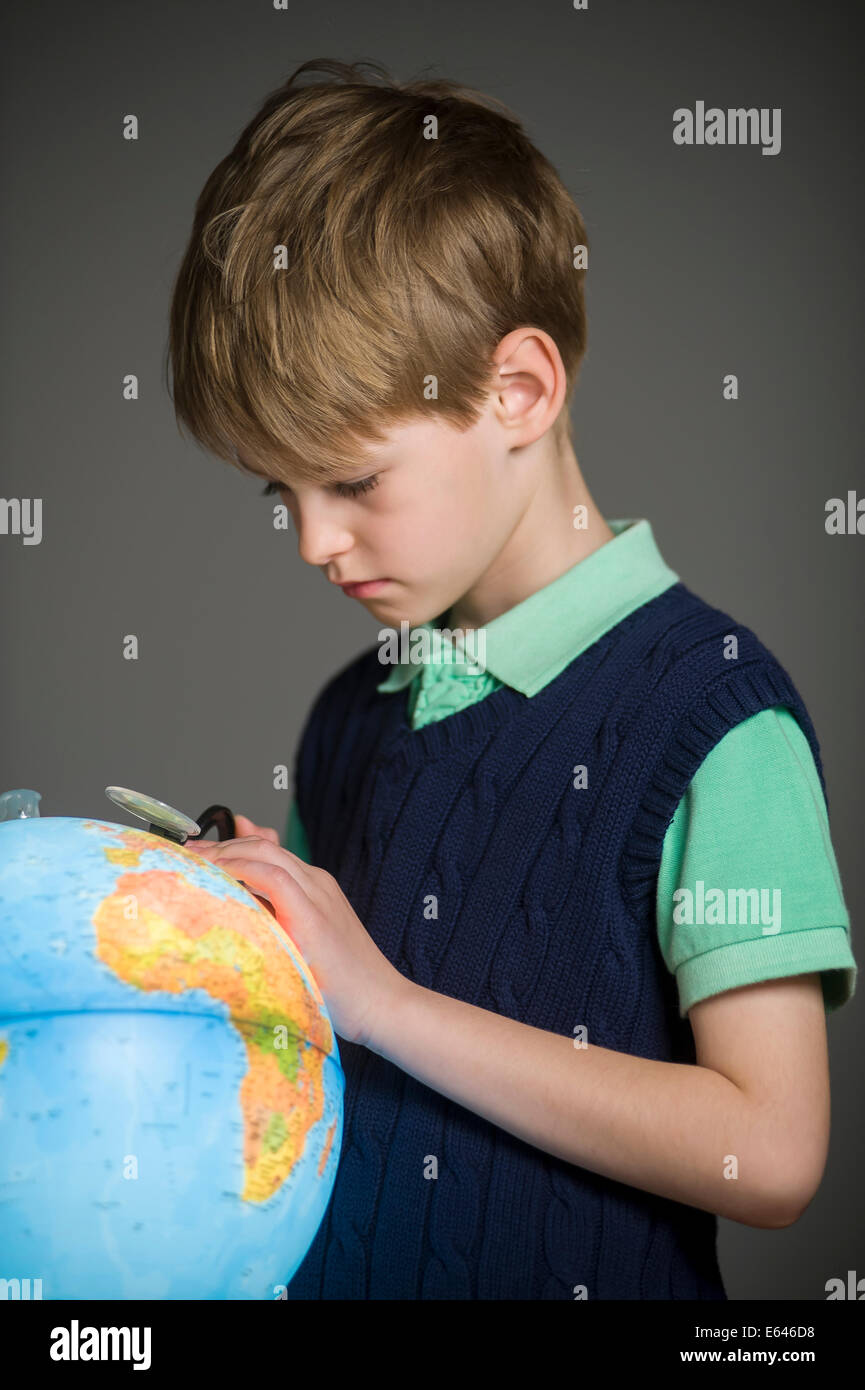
x,y
545,897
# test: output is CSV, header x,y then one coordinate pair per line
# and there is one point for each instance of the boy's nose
x,y
319,544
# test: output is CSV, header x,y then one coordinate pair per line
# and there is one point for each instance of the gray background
x,y
704,262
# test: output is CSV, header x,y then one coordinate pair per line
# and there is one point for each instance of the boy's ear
x,y
529,383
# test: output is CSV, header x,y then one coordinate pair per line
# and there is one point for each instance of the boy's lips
x,y
363,588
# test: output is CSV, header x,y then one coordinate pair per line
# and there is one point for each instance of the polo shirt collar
x,y
530,644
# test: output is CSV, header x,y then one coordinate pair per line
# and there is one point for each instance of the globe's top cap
x,y
149,809
19,804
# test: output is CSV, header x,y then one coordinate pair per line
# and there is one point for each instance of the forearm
x,y
665,1127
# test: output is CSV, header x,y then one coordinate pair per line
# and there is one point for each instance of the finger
x,y
253,845
212,844
256,832
285,893
245,826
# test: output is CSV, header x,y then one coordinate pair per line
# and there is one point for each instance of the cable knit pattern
x,y
546,908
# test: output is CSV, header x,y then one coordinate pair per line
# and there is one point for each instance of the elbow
x,y
784,1202
790,1212
793,1164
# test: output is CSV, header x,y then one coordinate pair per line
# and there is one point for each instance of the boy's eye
x,y
358,486
344,489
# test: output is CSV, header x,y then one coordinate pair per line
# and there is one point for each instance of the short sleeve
x,y
295,840
748,886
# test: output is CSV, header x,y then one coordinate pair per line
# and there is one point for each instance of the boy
x,y
533,887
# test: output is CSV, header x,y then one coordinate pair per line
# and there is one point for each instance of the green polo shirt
x,y
753,815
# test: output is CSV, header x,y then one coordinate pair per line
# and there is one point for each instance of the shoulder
x,y
697,676
718,673
687,623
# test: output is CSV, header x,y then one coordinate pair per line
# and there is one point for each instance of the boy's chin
x,y
395,609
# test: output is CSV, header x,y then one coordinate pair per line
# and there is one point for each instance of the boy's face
x,y
440,517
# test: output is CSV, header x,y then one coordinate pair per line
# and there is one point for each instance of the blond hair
x,y
406,259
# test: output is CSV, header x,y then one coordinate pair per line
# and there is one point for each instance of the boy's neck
x,y
545,544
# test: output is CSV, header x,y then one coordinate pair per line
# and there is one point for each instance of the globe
x,y
171,1094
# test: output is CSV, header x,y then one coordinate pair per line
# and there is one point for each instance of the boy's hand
x,y
244,826
355,978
